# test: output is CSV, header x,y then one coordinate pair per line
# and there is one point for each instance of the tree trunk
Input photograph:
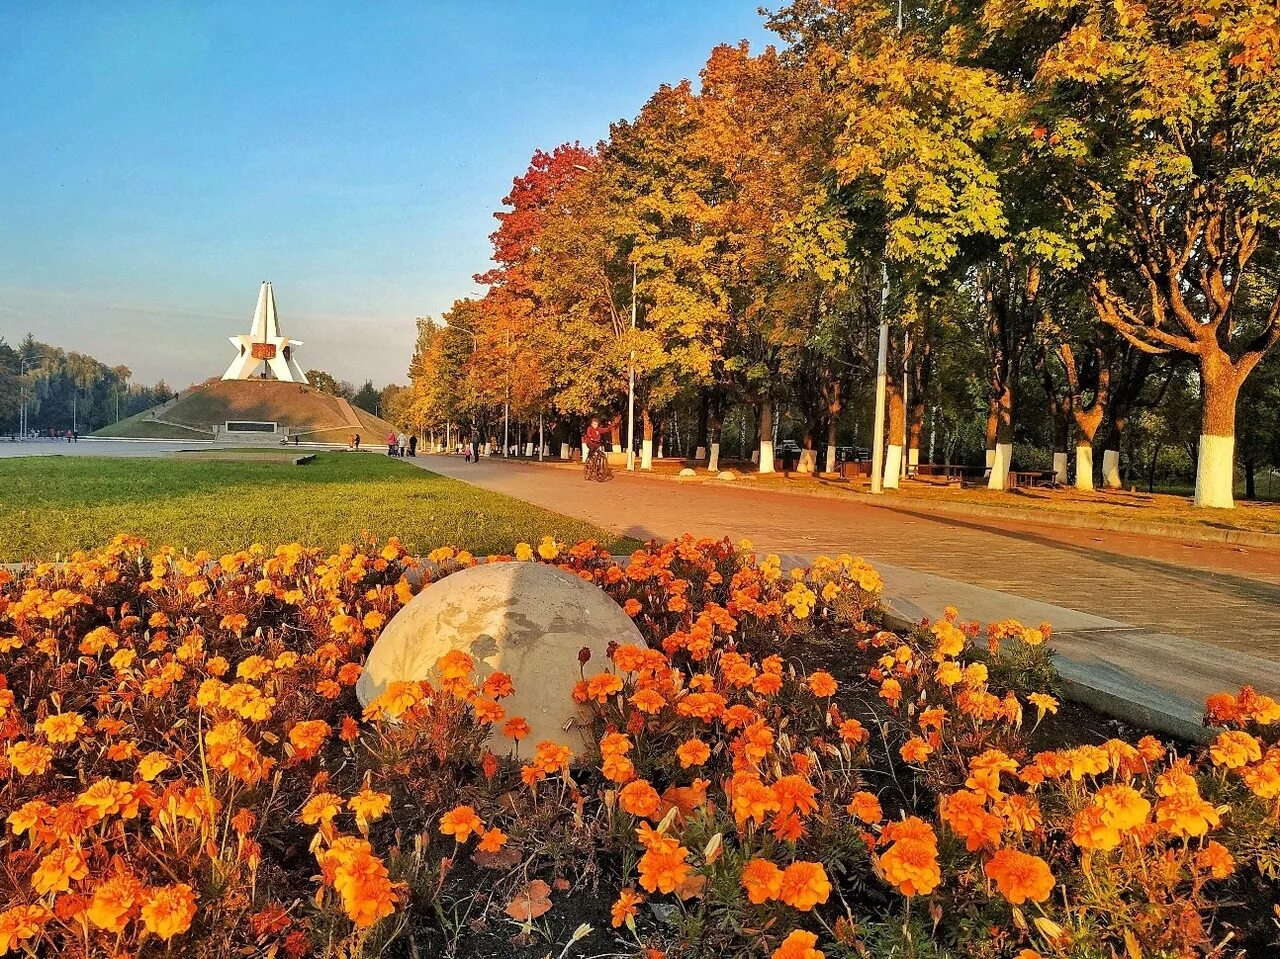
x,y
1215,464
1003,453
1250,479
1061,437
1111,453
704,422
833,411
716,426
646,445
993,422
897,415
766,436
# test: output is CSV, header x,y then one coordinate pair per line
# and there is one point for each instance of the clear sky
x,y
159,159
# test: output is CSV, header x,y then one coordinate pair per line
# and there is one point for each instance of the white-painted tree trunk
x,y
564,451
1003,456
713,463
1060,468
913,459
808,462
1215,472
1084,466
585,452
766,455
646,454
700,454
892,465
1111,469
528,449
831,458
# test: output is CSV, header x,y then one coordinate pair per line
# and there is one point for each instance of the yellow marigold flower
x,y
524,552
29,759
254,667
307,736
168,910
1217,860
61,727
1043,703
152,765
58,869
235,622
321,809
548,549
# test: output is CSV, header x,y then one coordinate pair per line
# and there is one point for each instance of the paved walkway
x,y
1148,618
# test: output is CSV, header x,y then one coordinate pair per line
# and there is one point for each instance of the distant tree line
x,y
65,390
389,402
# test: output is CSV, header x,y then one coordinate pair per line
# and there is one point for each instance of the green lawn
x,y
53,505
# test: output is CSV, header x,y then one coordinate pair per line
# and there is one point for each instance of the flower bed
x,y
186,770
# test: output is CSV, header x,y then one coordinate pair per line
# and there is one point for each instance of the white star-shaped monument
x,y
264,344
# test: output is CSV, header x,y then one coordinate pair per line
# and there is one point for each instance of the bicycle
x,y
596,468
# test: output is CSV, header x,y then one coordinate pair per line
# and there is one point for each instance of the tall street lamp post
x,y
631,389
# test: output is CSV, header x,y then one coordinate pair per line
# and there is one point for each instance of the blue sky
x,y
158,160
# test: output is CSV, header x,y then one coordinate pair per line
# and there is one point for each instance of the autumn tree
x,y
1168,116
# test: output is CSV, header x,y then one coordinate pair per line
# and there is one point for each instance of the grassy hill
x,y
317,416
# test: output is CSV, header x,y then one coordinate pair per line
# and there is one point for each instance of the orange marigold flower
x,y
308,736
965,812
804,885
762,880
1234,749
362,881
853,732
603,685
516,728
58,869
799,944
663,868
1216,859
915,751
631,608
369,805
640,799
498,685
624,909
1020,876
19,924
460,822
648,701
114,902
822,684
693,752
491,840
866,806
321,809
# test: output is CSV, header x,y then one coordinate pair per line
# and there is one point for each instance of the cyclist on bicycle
x,y
594,437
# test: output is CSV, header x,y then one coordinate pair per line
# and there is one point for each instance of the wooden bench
x,y
952,473
1030,478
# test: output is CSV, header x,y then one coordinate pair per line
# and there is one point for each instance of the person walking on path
x,y
391,444
402,442
413,445
357,441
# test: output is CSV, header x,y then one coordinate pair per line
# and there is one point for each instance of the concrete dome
x,y
524,619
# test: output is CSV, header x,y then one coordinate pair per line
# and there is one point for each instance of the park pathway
x,y
1143,617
